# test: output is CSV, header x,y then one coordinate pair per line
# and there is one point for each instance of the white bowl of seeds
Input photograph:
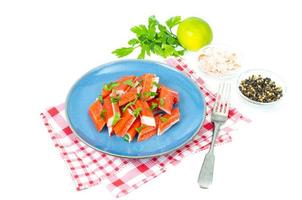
x,y
261,87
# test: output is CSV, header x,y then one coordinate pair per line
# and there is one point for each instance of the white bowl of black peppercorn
x,y
261,87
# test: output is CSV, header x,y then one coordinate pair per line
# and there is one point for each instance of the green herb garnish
x,y
137,111
128,105
150,94
139,129
154,105
140,83
110,86
127,137
103,113
101,98
129,82
163,119
161,101
138,95
154,38
114,99
156,84
116,118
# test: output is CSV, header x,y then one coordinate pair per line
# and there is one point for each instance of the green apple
x,y
193,33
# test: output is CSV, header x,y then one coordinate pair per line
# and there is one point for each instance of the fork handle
x,y
217,126
205,177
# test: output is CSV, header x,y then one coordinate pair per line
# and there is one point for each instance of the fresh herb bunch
x,y
154,38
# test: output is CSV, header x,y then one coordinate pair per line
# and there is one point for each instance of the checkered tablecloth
x,y
89,167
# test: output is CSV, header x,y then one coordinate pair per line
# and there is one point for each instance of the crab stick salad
x,y
135,107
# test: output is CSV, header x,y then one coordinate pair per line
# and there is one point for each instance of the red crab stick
x,y
166,99
175,96
146,132
112,113
174,93
146,114
166,121
123,125
149,82
153,104
120,86
97,115
130,95
132,131
124,84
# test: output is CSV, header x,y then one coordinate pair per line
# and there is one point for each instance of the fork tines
x,y
222,101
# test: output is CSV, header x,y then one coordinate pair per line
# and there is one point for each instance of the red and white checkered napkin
x,y
89,167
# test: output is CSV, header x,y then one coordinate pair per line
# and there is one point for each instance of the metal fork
x,y
218,117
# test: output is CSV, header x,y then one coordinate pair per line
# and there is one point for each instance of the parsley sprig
x,y
161,101
128,105
110,86
139,129
153,105
103,113
129,82
116,118
150,94
154,38
115,99
163,119
137,111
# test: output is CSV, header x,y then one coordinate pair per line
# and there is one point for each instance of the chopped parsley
x,y
114,99
101,98
128,105
161,101
139,129
129,82
116,118
127,137
153,105
103,113
150,94
156,84
110,86
140,82
163,119
137,111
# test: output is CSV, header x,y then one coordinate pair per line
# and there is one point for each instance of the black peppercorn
x,y
260,89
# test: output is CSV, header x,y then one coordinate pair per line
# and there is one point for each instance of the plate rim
x,y
134,157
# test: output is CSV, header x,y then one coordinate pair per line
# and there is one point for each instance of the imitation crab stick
x,y
133,106
130,95
173,93
147,131
123,125
153,104
150,84
166,121
124,84
175,96
133,130
166,100
112,113
120,86
97,115
146,114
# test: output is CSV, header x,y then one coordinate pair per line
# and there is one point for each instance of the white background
x,y
46,45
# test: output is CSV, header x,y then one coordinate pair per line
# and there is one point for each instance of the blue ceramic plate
x,y
85,91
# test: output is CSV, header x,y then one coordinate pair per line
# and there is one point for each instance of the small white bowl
x,y
228,75
264,73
